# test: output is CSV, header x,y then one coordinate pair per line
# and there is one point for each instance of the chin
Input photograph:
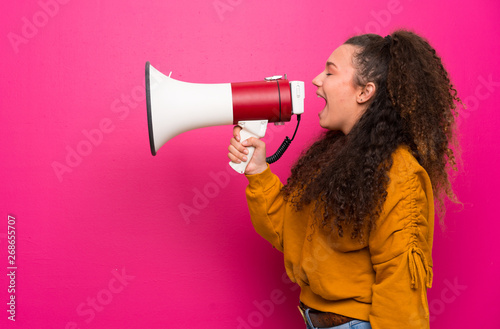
x,y
325,124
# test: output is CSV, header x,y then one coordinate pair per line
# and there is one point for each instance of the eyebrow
x,y
331,63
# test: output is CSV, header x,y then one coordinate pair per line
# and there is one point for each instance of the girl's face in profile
x,y
336,85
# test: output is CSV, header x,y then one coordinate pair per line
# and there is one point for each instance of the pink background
x,y
102,239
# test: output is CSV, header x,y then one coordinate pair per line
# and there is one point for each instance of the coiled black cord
x,y
277,155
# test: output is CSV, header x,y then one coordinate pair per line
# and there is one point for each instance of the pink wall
x,y
101,241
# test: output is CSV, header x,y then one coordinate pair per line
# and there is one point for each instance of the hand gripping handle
x,y
249,129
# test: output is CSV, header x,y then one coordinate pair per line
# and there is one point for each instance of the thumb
x,y
253,141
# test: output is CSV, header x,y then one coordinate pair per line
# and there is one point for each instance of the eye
x,y
328,74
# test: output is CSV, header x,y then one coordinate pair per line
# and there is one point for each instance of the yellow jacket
x,y
383,281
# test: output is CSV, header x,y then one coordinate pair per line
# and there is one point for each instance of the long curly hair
x,y
345,176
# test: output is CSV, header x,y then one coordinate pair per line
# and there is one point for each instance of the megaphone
x,y
174,107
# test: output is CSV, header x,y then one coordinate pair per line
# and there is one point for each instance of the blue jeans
x,y
355,324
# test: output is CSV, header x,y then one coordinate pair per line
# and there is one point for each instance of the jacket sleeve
x,y
400,248
266,206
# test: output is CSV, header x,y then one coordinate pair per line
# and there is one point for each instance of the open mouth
x,y
322,110
321,96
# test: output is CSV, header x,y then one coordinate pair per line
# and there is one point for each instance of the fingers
x,y
258,162
252,141
237,152
236,133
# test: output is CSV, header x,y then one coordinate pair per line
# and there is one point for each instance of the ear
x,y
366,93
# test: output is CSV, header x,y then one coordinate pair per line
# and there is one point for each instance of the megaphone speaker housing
x,y
174,107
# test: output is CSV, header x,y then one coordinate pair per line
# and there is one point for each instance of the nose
x,y
318,81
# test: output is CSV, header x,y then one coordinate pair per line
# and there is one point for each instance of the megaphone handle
x,y
249,129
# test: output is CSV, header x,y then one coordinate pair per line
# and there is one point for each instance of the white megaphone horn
x,y
175,107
